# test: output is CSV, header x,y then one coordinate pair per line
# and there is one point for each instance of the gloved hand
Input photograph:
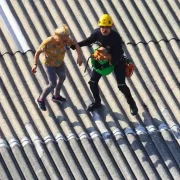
x,y
73,47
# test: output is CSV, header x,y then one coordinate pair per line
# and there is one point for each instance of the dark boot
x,y
125,90
133,109
95,91
93,106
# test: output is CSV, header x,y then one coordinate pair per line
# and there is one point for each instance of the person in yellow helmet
x,y
54,49
112,41
105,21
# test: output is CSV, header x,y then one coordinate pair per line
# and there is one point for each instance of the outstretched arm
x,y
79,52
36,58
86,42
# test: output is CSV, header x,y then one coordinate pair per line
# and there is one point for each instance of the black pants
x,y
119,72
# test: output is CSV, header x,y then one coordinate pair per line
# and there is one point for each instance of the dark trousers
x,y
119,72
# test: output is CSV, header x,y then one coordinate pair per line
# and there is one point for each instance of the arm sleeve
x,y
91,39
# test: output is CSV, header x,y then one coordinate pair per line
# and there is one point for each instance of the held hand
x,y
79,61
109,56
33,70
73,47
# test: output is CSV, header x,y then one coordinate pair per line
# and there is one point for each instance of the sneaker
x,y
133,109
58,99
41,104
93,106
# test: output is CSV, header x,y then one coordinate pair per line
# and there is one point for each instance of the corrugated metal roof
x,y
66,142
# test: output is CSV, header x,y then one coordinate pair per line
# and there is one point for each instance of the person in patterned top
x,y
54,49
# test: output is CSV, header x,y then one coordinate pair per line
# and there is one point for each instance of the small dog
x,y
101,54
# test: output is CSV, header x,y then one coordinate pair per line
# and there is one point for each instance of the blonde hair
x,y
62,31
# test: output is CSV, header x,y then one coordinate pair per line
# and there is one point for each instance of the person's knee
x,y
123,88
62,77
52,84
93,85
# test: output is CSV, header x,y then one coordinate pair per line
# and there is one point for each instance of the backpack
x,y
129,66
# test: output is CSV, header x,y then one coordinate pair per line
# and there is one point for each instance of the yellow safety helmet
x,y
105,20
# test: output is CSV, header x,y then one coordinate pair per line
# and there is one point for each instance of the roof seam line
x,y
129,43
145,43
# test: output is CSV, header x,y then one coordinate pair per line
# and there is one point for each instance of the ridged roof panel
x,y
67,142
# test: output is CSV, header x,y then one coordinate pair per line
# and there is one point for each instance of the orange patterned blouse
x,y
54,52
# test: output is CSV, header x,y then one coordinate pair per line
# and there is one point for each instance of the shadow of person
x,y
147,119
107,116
60,119
122,120
149,149
159,154
83,119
